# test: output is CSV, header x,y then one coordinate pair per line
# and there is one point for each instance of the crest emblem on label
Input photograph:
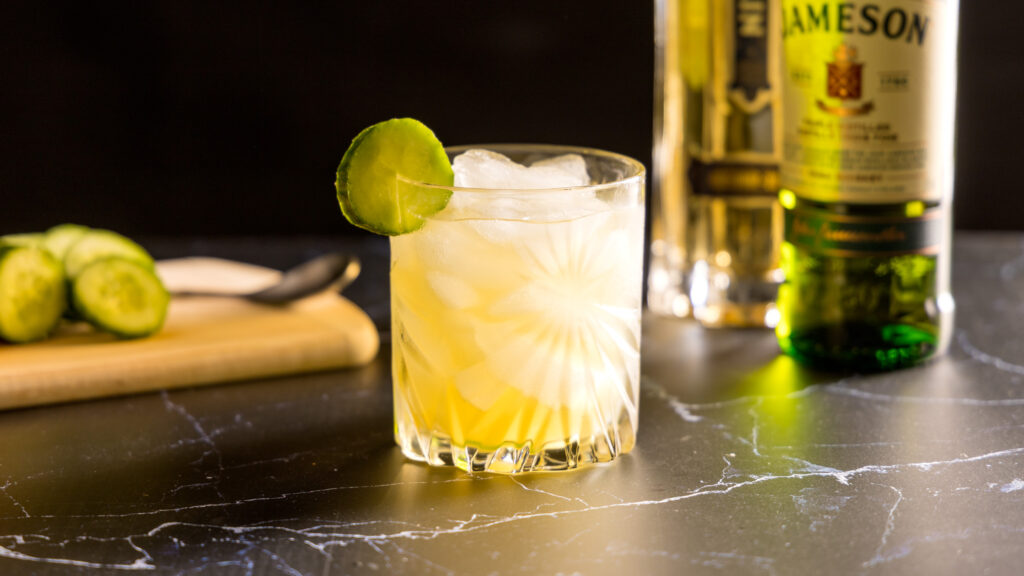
x,y
844,74
845,82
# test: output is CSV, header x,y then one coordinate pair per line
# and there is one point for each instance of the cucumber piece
x,y
59,239
101,244
32,293
29,239
369,191
122,297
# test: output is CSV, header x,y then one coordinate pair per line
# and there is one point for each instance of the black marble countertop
x,y
745,464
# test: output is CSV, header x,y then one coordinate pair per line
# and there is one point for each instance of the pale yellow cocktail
x,y
516,322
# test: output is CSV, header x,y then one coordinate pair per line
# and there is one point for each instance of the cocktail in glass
x,y
516,321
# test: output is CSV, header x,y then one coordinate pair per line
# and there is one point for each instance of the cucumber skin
x,y
71,314
59,284
83,312
341,183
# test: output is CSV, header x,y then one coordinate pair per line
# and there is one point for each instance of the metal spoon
x,y
333,271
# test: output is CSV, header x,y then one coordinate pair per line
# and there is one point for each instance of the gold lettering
x,y
751,18
802,228
890,234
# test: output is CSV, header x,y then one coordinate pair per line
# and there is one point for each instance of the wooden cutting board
x,y
204,341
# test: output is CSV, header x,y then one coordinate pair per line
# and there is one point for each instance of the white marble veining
x,y
385,536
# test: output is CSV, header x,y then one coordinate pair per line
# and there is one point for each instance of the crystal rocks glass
x,y
516,321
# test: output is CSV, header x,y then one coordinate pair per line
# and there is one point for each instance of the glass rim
x,y
635,169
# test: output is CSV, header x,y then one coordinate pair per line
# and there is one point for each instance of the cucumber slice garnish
x,y
32,293
59,239
29,239
369,191
122,297
100,244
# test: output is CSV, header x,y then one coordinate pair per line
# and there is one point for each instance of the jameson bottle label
x,y
738,152
866,100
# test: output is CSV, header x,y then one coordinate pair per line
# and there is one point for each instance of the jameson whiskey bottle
x,y
716,222
867,175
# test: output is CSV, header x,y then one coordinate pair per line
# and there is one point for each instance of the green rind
x,y
341,180
370,194
59,239
32,293
101,244
122,297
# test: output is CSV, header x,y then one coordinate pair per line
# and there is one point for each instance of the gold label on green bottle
x,y
842,235
869,90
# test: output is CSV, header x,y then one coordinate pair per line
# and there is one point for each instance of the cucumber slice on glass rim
x,y
377,175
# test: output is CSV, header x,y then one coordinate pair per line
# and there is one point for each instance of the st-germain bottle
x,y
716,221
867,181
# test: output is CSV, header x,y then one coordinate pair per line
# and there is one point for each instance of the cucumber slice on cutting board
x,y
97,245
27,239
59,239
32,293
121,296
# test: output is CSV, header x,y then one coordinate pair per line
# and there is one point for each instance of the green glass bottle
x,y
868,105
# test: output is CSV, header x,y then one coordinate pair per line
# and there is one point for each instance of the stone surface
x,y
746,464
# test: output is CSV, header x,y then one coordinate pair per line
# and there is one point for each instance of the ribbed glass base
x,y
438,449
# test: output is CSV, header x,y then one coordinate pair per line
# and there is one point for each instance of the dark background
x,y
164,118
